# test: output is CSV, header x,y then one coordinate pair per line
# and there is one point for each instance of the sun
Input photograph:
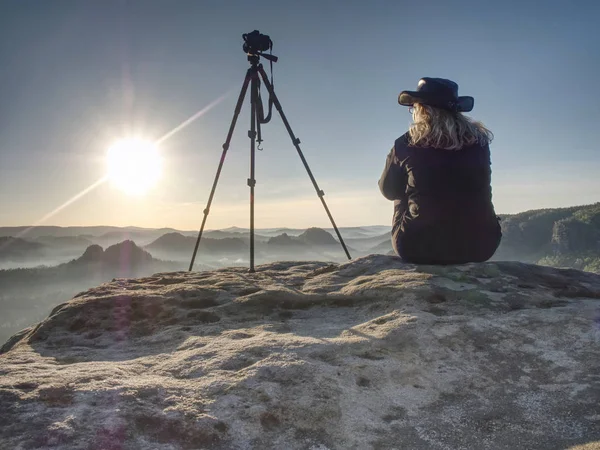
x,y
134,165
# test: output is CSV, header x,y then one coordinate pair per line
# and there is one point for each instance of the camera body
x,y
256,42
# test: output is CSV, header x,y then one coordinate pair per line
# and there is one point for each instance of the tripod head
x,y
255,44
254,60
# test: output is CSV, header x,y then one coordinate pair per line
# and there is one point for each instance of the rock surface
x,y
370,354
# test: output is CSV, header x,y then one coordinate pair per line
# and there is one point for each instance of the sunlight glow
x,y
134,165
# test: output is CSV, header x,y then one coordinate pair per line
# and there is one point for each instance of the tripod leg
x,y
296,143
251,180
236,113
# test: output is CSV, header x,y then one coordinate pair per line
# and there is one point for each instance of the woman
x,y
438,174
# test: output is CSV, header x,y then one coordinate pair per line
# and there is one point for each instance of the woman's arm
x,y
392,183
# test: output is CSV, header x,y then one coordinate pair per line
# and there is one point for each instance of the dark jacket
x,y
443,210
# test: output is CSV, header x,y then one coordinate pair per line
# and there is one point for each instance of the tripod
x,y
256,113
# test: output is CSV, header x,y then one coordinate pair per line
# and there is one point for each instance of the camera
x,y
255,42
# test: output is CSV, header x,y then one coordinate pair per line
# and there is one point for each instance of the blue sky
x,y
77,75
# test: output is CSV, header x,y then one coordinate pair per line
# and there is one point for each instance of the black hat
x,y
437,92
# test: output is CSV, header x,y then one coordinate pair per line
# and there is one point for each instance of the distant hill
x,y
564,237
367,243
127,252
220,234
172,242
121,235
225,245
19,249
234,230
39,231
125,257
383,247
94,253
360,232
289,231
285,240
178,243
317,236
310,237
64,242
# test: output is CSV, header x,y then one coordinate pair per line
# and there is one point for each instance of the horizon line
x,y
277,227
179,229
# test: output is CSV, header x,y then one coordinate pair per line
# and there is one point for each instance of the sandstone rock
x,y
285,240
93,253
126,253
317,236
370,354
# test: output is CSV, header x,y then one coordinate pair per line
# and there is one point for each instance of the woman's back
x,y
439,176
444,184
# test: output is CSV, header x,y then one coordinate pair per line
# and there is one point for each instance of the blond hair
x,y
450,130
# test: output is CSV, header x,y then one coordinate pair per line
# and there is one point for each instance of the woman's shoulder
x,y
403,140
401,144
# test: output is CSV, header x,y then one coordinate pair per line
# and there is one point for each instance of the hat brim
x,y
409,98
466,103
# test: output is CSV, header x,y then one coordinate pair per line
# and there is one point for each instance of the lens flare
x,y
134,165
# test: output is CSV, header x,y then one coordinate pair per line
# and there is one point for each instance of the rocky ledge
x,y
371,354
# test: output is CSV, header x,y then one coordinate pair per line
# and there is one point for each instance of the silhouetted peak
x,y
283,239
93,253
126,253
317,236
169,239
